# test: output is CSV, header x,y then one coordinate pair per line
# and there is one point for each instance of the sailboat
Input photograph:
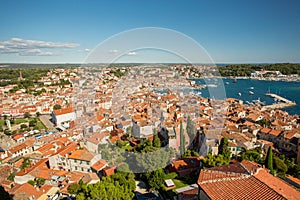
x,y
240,94
251,92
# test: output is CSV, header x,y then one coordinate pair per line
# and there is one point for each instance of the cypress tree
x,y
223,149
269,160
182,140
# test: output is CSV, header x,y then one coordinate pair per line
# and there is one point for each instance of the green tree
x,y
182,140
155,179
23,126
56,107
224,150
190,128
280,167
74,188
269,160
40,182
156,141
11,176
31,182
37,114
26,115
32,123
26,163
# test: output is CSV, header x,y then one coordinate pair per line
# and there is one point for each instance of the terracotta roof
x,y
192,161
275,132
63,111
26,189
230,182
45,148
99,165
265,130
18,148
108,171
82,155
277,185
239,188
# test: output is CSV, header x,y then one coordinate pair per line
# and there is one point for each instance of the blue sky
x,y
51,31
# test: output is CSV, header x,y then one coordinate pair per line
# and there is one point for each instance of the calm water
x,y
289,90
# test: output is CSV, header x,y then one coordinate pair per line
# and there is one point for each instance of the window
x,y
88,170
75,161
82,169
87,162
76,168
81,162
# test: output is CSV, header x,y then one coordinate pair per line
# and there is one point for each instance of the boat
x,y
251,88
227,83
212,85
251,92
240,94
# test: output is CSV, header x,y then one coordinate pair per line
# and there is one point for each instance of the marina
x,y
288,91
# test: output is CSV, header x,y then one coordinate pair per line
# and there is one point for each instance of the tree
x,y
269,160
40,182
26,163
32,123
156,141
182,140
280,167
31,182
23,126
74,188
37,114
190,128
11,176
26,115
56,107
223,149
155,179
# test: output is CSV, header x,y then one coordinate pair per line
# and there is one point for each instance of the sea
x,y
251,89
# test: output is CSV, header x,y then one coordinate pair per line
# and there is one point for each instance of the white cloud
x,y
32,47
38,52
113,51
132,53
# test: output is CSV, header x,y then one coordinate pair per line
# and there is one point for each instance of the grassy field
x,y
18,121
178,181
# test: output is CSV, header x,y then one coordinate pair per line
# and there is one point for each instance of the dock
x,y
282,104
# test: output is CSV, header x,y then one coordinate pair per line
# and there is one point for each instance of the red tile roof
x,y
82,155
277,185
99,165
239,188
245,180
275,132
63,111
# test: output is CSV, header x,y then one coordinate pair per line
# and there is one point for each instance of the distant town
x,y
138,131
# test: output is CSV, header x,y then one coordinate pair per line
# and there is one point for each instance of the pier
x,y
282,104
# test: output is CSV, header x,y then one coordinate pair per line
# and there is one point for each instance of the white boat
x,y
240,94
250,92
251,88
212,85
227,83
198,93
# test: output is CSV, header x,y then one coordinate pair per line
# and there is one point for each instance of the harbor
x,y
280,102
289,91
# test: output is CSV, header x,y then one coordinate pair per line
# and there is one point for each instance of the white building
x,y
63,117
142,130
